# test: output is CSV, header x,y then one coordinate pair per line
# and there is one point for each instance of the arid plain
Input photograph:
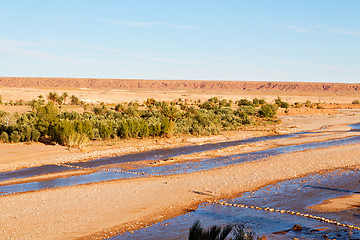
x,y
104,209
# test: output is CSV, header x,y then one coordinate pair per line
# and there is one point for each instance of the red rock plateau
x,y
188,85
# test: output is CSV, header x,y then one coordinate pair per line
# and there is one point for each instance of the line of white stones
x,y
107,169
288,212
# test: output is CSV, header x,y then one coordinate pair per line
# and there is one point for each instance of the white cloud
x,y
147,24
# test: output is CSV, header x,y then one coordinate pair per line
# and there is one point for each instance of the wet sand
x,y
108,208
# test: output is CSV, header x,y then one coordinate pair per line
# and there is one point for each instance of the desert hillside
x,y
141,84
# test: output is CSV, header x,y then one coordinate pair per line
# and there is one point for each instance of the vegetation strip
x,y
50,123
322,219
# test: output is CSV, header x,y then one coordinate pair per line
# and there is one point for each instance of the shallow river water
x,y
293,195
177,168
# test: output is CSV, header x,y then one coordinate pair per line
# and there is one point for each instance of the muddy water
x,y
293,195
185,167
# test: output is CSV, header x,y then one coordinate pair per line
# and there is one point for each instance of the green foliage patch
x,y
129,120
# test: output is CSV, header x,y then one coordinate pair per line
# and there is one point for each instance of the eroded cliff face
x,y
27,82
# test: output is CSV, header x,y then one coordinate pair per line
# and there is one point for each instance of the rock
x,y
297,227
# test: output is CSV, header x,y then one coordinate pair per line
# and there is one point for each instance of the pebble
x,y
299,227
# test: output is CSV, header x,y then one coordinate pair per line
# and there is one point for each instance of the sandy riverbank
x,y
338,204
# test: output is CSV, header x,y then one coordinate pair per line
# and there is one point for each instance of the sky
x,y
253,40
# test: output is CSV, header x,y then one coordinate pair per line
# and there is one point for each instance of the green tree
x,y
52,97
47,117
64,96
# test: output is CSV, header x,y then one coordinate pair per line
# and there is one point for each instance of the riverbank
x,y
338,204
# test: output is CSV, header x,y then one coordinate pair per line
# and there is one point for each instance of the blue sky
x,y
279,40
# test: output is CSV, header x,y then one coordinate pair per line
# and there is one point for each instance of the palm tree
x,y
74,100
60,100
52,97
65,95
171,112
239,232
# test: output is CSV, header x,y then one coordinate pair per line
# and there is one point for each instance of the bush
x,y
105,130
249,110
4,137
15,137
281,103
35,135
245,102
267,111
77,140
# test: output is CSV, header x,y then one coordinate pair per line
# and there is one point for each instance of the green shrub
x,y
245,102
105,130
267,111
281,103
35,135
15,137
4,137
249,110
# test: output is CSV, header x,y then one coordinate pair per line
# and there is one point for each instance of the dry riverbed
x,y
104,209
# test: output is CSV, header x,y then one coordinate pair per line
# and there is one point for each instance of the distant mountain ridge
x,y
95,83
